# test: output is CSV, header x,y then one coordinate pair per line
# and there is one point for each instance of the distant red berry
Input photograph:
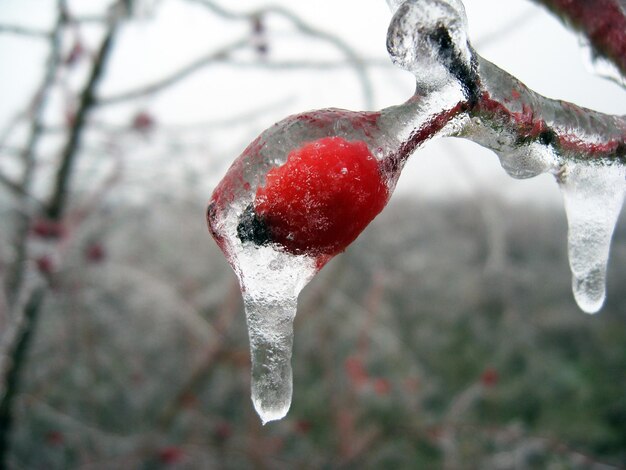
x,y
323,197
302,426
355,370
45,264
55,438
143,122
223,431
95,253
75,54
170,455
381,386
489,377
49,229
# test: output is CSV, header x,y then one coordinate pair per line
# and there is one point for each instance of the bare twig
x,y
215,56
58,198
203,370
353,57
24,31
14,369
309,64
16,271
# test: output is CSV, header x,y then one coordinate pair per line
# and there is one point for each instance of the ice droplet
x,y
593,197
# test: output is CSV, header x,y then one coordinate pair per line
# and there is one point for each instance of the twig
x,y
309,64
24,31
14,369
16,270
203,370
56,206
355,60
177,76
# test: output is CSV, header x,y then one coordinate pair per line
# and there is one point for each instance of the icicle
x,y
270,328
271,281
593,197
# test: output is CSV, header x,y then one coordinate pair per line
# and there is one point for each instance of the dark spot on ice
x,y
251,228
452,60
548,137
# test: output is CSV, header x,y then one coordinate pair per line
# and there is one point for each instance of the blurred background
x,y
451,341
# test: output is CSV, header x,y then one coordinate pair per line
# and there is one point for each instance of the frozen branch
x,y
279,215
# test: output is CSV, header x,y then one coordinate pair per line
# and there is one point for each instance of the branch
x,y
216,56
353,57
13,374
87,102
24,31
601,22
36,129
19,191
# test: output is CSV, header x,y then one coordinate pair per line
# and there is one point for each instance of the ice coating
x,y
593,200
458,94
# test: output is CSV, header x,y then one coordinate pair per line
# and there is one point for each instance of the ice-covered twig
x,y
306,187
531,134
602,25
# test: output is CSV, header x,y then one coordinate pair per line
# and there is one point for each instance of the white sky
x,y
521,38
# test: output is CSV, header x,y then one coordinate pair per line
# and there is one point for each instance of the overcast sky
x,y
521,38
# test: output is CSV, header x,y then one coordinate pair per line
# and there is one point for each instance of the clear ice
x,y
593,200
458,94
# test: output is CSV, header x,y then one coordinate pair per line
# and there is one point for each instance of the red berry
x,y
95,253
170,455
323,197
223,431
45,265
143,122
75,54
355,371
382,386
490,377
303,426
49,229
55,438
